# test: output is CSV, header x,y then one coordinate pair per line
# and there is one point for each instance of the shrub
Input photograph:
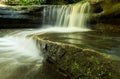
x,y
22,2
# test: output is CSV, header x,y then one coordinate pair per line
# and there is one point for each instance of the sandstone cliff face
x,y
110,8
108,17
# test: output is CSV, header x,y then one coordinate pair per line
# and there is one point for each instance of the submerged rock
x,y
78,63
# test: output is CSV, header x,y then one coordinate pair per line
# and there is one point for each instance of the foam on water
x,y
20,58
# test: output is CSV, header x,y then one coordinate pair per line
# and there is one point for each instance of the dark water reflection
x,y
104,42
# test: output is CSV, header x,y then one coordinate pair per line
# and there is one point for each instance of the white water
x,y
20,58
75,15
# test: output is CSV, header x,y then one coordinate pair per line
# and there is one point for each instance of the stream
x,y
20,58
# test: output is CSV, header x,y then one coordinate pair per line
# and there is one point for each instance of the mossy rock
x,y
110,8
106,15
78,63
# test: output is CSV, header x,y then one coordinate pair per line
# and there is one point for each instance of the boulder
x,y
77,63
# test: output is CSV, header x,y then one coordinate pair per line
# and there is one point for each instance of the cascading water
x,y
20,58
67,15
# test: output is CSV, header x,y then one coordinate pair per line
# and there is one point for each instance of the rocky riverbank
x,y
19,16
77,63
102,18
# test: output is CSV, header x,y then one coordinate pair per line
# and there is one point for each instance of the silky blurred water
x,y
20,58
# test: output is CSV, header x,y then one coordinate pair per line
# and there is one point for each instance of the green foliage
x,y
32,2
22,2
9,1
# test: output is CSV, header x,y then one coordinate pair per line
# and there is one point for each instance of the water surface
x,y
103,42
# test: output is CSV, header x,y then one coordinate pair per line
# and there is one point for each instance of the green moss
x,y
75,65
84,64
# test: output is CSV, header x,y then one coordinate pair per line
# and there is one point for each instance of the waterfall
x,y
20,57
75,15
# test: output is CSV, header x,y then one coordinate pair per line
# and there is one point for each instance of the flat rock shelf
x,y
78,62
19,16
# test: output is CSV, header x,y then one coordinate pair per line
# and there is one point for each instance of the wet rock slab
x,y
79,63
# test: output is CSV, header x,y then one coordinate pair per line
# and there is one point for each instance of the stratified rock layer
x,y
78,63
20,16
106,15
